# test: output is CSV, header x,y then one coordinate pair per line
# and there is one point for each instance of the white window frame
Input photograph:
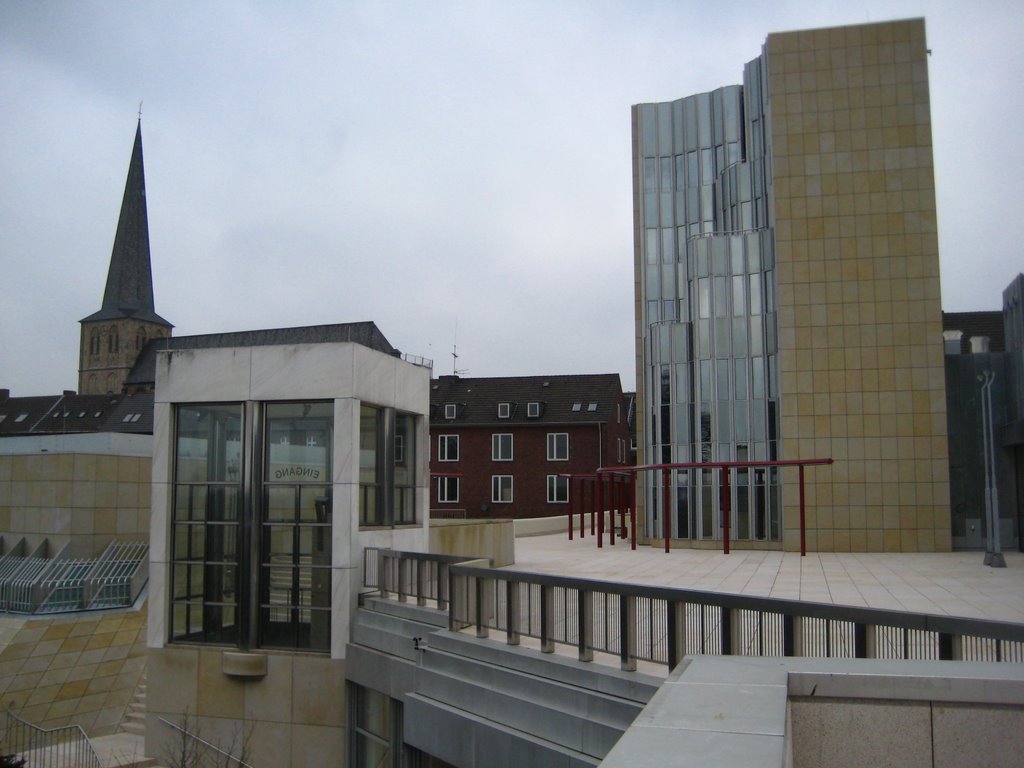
x,y
504,410
553,487
533,410
553,446
450,410
442,453
444,485
497,483
496,445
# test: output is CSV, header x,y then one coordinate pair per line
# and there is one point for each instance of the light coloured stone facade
x,y
860,316
85,489
81,668
290,706
788,301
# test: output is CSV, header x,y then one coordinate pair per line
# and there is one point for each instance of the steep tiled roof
x,y
130,413
364,333
129,290
560,399
64,414
976,324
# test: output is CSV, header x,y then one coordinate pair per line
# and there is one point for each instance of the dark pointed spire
x,y
129,291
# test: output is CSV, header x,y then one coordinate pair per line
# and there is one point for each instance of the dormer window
x,y
504,410
450,410
532,410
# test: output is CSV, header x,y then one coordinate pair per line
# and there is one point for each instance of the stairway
x,y
135,716
127,747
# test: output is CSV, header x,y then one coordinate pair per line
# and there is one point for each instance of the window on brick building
x,y
558,446
501,489
501,447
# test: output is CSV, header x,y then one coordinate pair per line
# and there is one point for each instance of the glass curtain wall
x,y
387,467
295,551
206,534
280,533
708,316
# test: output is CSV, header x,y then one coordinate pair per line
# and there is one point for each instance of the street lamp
x,y
993,551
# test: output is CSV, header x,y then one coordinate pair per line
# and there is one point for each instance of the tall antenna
x,y
455,352
140,110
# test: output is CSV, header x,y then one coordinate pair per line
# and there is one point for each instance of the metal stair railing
x,y
199,742
65,747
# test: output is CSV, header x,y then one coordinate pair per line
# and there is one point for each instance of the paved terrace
x,y
955,584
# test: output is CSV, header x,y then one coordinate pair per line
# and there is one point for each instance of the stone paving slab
x,y
949,583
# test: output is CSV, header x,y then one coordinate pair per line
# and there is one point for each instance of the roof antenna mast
x,y
140,110
455,354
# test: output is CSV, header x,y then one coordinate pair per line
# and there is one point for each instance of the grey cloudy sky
x,y
453,171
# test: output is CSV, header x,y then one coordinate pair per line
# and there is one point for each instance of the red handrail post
x,y
623,504
569,498
666,473
803,517
601,509
590,496
581,507
726,510
594,504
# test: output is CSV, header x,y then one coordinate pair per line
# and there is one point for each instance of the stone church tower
x,y
113,337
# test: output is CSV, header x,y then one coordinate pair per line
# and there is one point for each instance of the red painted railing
x,y
620,477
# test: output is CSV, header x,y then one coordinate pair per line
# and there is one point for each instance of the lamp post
x,y
993,551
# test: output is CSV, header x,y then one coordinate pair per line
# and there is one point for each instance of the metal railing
x,y
422,576
193,744
66,747
119,575
39,583
662,625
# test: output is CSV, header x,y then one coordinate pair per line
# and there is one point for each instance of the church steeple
x,y
113,336
129,291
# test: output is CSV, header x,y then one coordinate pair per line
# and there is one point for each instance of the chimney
x,y
951,341
979,344
69,393
5,395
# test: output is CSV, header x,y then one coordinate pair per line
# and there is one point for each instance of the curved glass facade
x,y
707,316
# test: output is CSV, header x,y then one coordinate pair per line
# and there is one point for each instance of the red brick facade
x,y
598,437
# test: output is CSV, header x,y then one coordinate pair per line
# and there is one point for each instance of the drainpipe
x,y
993,554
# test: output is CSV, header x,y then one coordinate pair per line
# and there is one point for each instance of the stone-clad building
x,y
787,294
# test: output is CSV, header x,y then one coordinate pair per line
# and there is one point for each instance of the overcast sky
x,y
459,173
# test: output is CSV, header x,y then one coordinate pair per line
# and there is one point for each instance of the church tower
x,y
113,337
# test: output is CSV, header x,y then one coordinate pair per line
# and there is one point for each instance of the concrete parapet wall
x,y
541,526
798,713
491,539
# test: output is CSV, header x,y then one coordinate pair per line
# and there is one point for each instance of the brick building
x,y
499,446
